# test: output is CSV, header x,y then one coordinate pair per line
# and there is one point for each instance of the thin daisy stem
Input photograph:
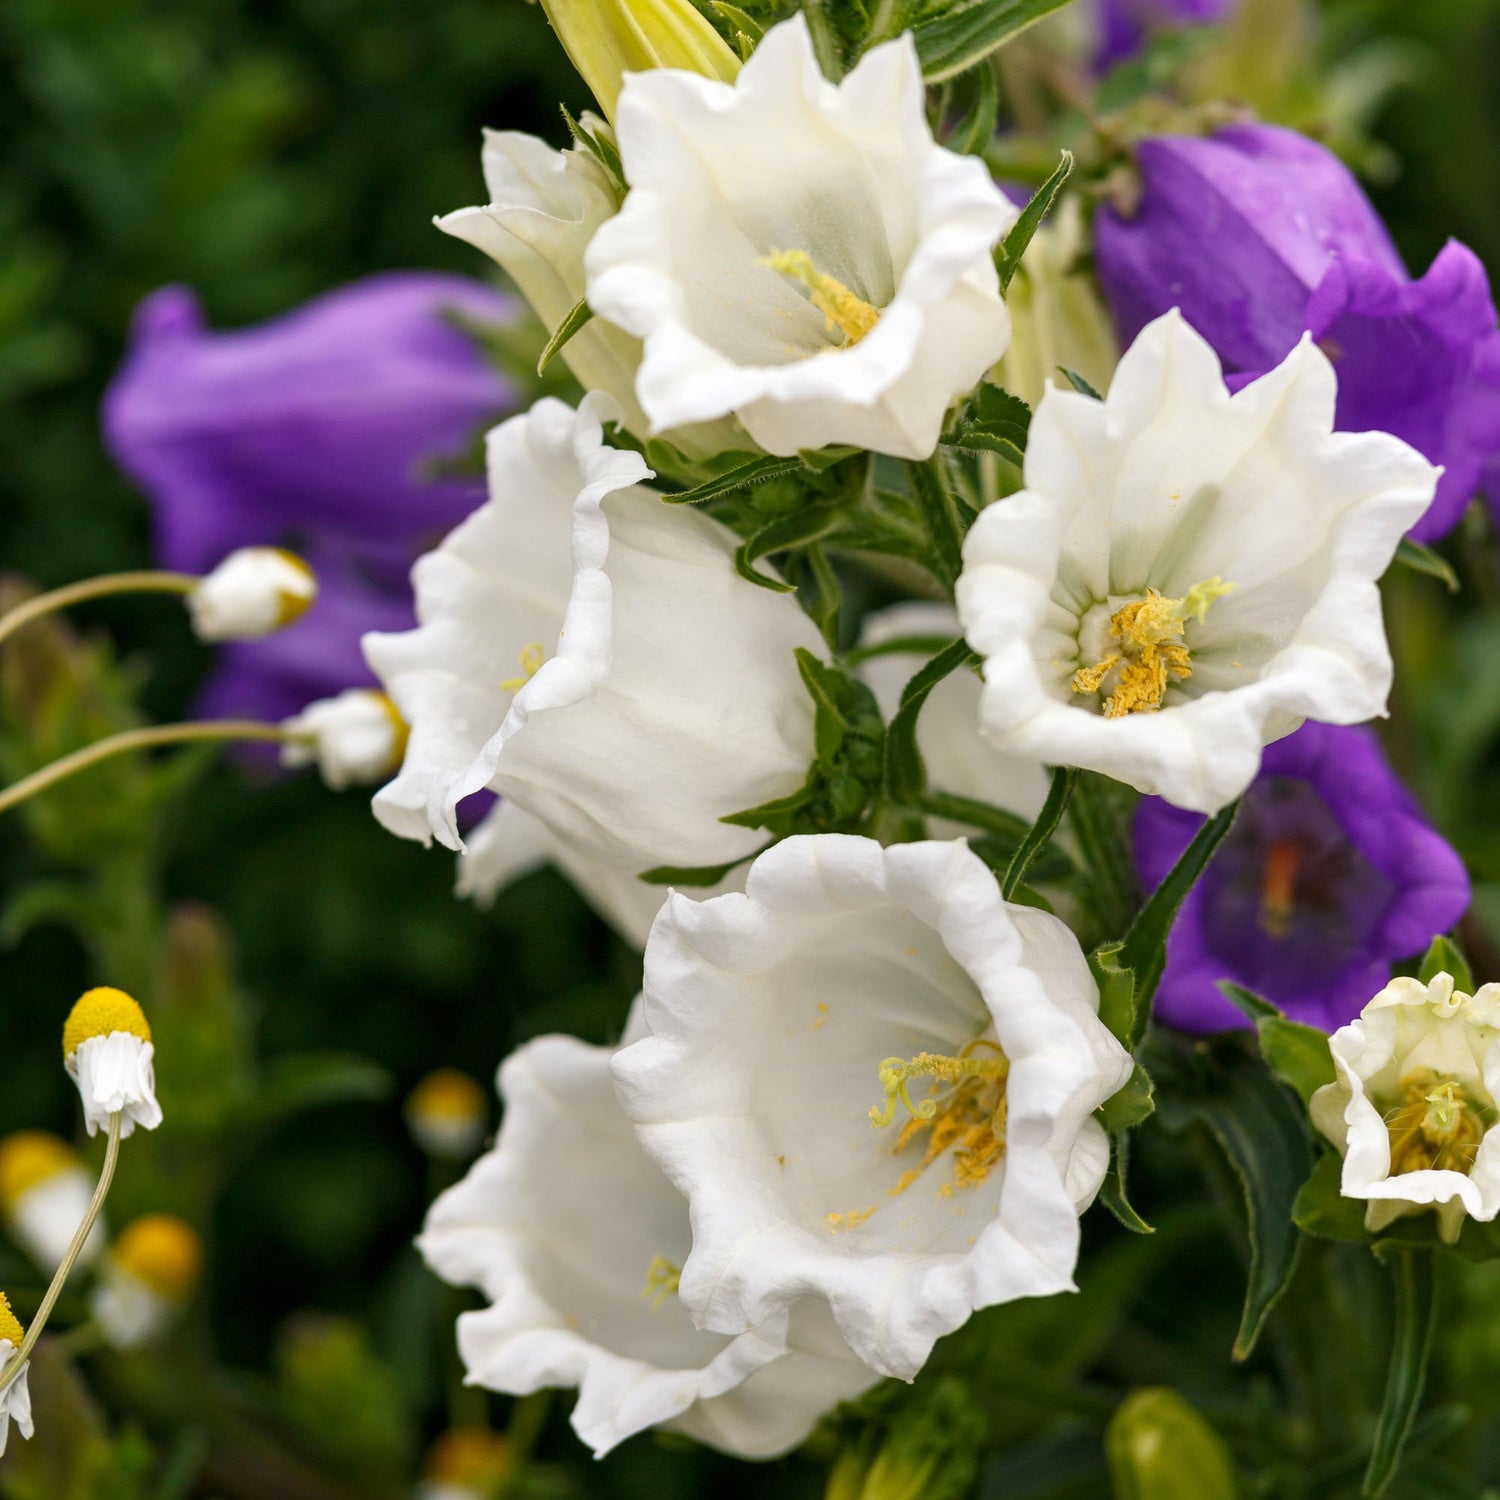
x,y
144,582
80,1238
137,739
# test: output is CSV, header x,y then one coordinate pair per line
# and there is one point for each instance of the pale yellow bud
x,y
605,39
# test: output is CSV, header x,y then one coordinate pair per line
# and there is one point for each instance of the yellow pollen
x,y
842,310
533,654
292,606
27,1159
471,1458
1436,1125
969,1118
102,1012
851,1220
10,1324
662,1281
447,1095
1152,651
163,1253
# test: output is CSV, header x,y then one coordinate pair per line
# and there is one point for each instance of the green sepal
x,y
1132,1104
741,476
952,43
827,687
1297,1054
1112,1192
1445,957
1079,384
695,875
1010,250
576,319
1422,559
1039,835
977,128
800,529
602,146
1321,1209
749,29
992,420
1116,991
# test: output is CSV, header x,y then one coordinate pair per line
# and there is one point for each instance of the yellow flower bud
x,y
605,39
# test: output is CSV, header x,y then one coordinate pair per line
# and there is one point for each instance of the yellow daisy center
x,y
101,1012
1151,653
843,310
27,1159
10,1324
470,1458
1436,1125
162,1253
447,1096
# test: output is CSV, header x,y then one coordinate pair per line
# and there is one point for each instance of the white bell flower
x,y
15,1399
544,208
254,592
108,1052
45,1194
1188,575
793,1030
957,758
799,253
628,698
354,739
567,1170
1415,1108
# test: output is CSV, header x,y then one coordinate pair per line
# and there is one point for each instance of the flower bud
x,y
108,1052
605,39
15,1399
355,739
446,1114
44,1195
467,1463
1159,1448
147,1278
254,592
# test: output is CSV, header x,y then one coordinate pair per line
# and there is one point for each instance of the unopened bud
x,y
254,592
1159,1448
355,739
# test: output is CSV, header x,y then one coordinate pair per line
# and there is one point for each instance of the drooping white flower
x,y
795,1031
146,1280
1188,575
254,592
44,1194
568,1171
629,696
1415,1108
957,758
108,1052
354,739
15,1399
544,208
799,253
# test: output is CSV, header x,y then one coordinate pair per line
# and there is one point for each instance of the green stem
x,y
977,814
146,582
1416,1298
941,519
135,739
1039,835
75,1249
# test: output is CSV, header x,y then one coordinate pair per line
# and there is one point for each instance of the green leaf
x,y
1224,1086
827,607
742,21
982,815
898,645
1297,1054
1422,559
1116,991
755,471
1444,957
1411,1344
906,776
696,875
825,685
950,44
1079,384
1145,947
1132,1104
800,529
992,421
977,128
302,1080
777,807
1112,1193
570,325
1010,250
1039,835
1321,1208
940,517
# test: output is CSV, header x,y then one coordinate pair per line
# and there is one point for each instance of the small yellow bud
x,y
605,39
163,1253
27,1159
10,1324
473,1458
101,1012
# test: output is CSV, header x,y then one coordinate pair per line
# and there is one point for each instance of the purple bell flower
x,y
1125,25
322,430
1257,234
1329,875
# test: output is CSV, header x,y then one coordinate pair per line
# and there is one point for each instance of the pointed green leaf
x,y
570,325
754,471
977,128
1445,957
906,776
966,33
696,875
1039,835
1116,991
1010,250
1113,1194
1298,1055
1411,1345
1132,1104
1422,559
1079,384
823,684
799,529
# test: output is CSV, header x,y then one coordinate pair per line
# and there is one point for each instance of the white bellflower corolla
x,y
875,1081
1188,575
801,254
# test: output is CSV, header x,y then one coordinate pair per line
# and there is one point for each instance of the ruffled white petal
x,y
770,1013
116,1074
15,1402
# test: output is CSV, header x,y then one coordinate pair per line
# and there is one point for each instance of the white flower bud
x,y
254,592
355,739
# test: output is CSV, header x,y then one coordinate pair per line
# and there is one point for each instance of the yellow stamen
x,y
101,1012
162,1253
1436,1126
1152,651
851,1220
842,310
662,1281
532,656
27,1159
1279,886
10,1324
